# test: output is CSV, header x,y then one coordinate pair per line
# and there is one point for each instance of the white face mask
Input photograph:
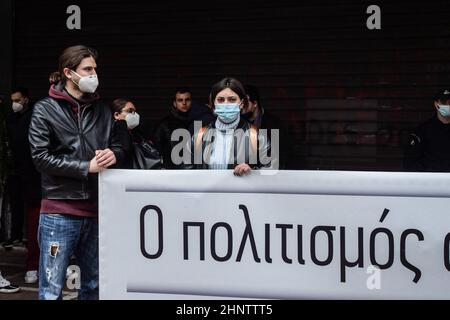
x,y
87,84
17,107
132,120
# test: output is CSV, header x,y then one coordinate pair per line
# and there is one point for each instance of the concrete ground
x,y
12,266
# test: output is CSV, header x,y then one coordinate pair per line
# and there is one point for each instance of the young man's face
x,y
87,67
441,103
183,101
19,98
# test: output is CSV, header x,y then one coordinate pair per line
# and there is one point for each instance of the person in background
x,y
6,286
26,188
178,118
256,114
428,147
126,127
17,123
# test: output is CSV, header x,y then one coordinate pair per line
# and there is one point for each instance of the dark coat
x,y
18,125
63,143
428,147
269,122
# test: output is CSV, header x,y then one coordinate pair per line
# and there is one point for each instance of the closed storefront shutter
x,y
348,95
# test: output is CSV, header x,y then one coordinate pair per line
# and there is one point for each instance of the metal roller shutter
x,y
347,94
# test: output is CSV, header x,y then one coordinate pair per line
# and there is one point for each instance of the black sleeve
x,y
40,136
191,148
120,142
414,152
280,141
162,141
158,135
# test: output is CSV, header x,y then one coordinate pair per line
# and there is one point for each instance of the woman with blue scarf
x,y
229,142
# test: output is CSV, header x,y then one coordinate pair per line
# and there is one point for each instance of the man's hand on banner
x,y
105,158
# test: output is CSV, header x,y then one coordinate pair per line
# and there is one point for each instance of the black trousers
x,y
15,194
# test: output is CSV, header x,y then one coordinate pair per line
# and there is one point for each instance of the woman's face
x,y
129,108
227,96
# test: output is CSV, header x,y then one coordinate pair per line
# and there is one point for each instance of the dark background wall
x,y
6,67
348,95
6,52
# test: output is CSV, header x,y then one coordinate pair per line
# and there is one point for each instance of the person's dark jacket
x,y
199,115
428,147
247,147
64,136
129,139
120,130
269,122
18,124
163,133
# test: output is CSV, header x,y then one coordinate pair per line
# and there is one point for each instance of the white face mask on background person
x,y
87,84
132,120
17,107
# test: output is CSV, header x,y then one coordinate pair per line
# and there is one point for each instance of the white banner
x,y
292,235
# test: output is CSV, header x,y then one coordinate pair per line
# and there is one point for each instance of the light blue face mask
x,y
227,112
444,110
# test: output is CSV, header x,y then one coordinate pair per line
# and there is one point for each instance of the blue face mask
x,y
444,111
227,112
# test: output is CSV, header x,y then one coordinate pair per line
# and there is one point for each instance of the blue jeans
x,y
61,236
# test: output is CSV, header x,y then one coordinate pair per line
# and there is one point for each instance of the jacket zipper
x,y
83,147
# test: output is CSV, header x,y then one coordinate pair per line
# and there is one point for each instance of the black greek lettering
x,y
248,233
284,228
405,262
384,214
446,251
390,237
327,230
186,225
359,261
300,244
160,232
267,243
229,242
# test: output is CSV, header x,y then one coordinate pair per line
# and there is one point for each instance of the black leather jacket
x,y
62,145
